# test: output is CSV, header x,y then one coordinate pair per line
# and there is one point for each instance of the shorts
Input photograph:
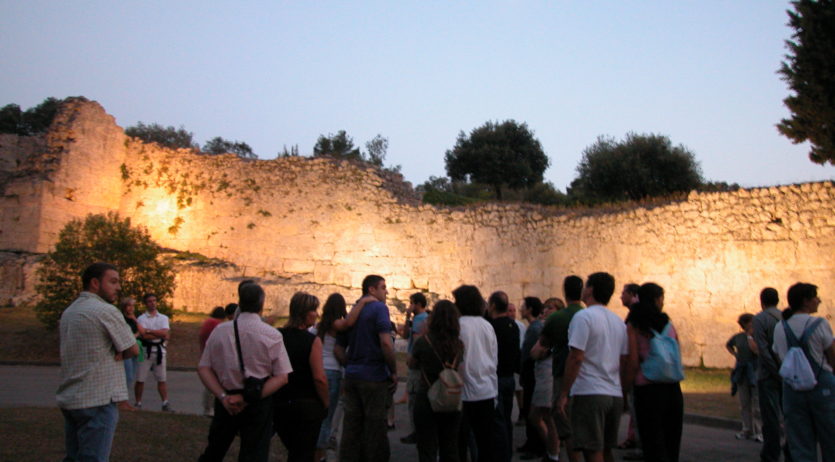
x,y
594,421
150,364
542,389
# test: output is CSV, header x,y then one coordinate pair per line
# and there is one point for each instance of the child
x,y
744,380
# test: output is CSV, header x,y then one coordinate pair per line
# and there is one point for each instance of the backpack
x,y
445,393
663,363
796,369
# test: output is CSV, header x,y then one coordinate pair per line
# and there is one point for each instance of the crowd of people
x,y
327,383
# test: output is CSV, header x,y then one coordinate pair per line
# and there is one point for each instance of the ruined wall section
x,y
322,225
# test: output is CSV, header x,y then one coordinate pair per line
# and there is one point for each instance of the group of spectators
x,y
772,411
574,361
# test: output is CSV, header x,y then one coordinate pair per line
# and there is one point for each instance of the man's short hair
x,y
95,271
535,305
147,296
370,281
251,298
469,301
418,299
769,297
499,301
231,309
243,283
632,288
602,285
218,312
572,287
745,319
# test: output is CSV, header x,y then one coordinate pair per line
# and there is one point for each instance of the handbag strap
x,y
238,347
443,364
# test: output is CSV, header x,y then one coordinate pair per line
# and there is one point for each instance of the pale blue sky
x,y
277,73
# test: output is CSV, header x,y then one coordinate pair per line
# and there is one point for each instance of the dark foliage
x,y
218,145
169,137
33,121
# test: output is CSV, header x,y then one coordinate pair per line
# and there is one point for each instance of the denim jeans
x,y
334,384
130,370
810,420
89,433
507,388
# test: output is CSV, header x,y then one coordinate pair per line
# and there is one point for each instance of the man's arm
x,y
629,363
349,321
232,403
572,369
273,384
388,354
539,350
830,355
131,352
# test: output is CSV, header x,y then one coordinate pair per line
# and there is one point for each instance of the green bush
x,y
107,238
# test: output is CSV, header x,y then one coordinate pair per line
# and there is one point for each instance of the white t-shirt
x,y
156,322
478,365
522,329
601,335
819,340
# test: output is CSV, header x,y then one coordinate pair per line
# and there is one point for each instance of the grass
x,y
24,339
37,434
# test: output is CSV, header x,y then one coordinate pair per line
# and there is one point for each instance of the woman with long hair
x,y
300,406
659,406
437,432
333,360
809,415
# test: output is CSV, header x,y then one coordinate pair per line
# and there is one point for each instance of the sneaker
x,y
138,405
166,407
743,436
758,438
410,439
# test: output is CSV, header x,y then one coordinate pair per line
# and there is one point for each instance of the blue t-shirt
x,y
417,326
365,356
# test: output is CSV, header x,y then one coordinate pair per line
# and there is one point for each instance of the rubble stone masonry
x,y
321,225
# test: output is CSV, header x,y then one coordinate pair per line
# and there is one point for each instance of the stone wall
x,y
322,225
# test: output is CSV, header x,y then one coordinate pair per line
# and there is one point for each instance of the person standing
x,y
441,347
478,370
744,379
370,375
217,316
264,357
531,310
156,334
769,382
810,415
92,376
507,339
301,405
416,316
598,356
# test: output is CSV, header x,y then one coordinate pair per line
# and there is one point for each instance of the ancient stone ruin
x,y
321,225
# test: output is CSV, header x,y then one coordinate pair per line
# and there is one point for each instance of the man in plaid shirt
x,y
94,341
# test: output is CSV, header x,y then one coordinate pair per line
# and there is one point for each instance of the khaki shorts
x,y
562,421
594,421
150,364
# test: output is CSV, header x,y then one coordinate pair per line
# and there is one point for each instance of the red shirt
x,y
206,329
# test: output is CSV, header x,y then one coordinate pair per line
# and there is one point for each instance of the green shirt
x,y
555,335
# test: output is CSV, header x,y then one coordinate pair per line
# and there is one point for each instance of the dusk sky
x,y
278,73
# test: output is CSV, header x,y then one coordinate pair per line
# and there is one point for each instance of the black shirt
x,y
507,337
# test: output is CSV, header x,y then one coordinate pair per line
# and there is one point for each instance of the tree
x,y
810,73
292,152
33,121
218,145
638,167
106,238
169,137
497,155
340,146
377,149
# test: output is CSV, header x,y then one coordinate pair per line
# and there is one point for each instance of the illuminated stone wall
x,y
321,226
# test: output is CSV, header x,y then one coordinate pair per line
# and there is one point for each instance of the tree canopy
x,y
218,145
810,74
377,148
498,155
34,120
169,137
638,167
106,238
340,146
